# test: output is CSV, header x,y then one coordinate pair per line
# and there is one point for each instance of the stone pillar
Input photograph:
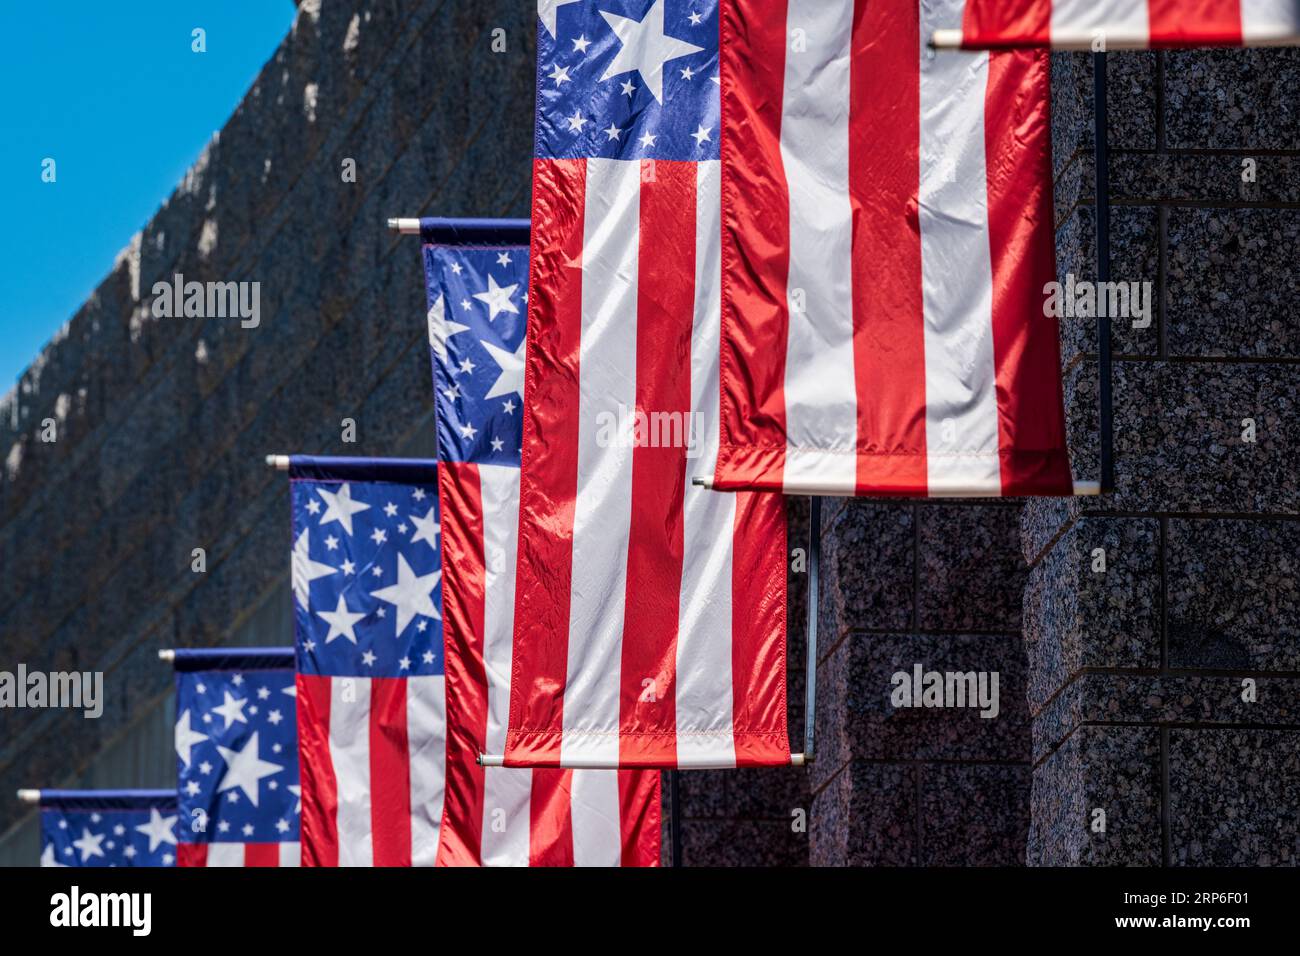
x,y
934,583
1163,621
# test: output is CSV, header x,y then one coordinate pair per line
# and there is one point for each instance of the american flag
x,y
368,630
477,276
237,757
108,827
887,239
1126,24
649,614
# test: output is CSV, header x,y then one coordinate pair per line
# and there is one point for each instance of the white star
x,y
205,768
47,857
428,657
628,87
89,844
645,48
340,507
368,658
560,74
648,140
305,570
695,19
503,259
411,595
313,507
508,407
378,536
440,330
186,738
613,132
263,693
498,444
468,431
390,509
405,662
688,73
455,268
701,136
577,121
341,620
159,829
192,788
467,366
426,529
223,827
232,709
244,769
453,392
418,494
498,298
511,364
580,45
282,826
332,543
275,717
546,12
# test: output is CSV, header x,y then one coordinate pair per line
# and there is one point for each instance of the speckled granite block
x,y
867,816
768,793
1232,282
866,568
742,843
1115,770
1233,595
1197,178
974,814
857,721
1078,617
1227,99
1233,797
971,571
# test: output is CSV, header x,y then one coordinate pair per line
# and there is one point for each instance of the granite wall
x,y
1163,621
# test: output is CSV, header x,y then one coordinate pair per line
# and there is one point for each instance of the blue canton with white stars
x,y
109,837
478,307
367,571
628,79
237,756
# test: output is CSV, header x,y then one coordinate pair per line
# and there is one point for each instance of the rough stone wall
x,y
1136,672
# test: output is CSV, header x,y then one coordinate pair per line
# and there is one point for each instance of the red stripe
x,y
550,831
549,477
888,308
191,854
1026,344
262,854
1000,23
390,773
758,654
755,246
640,816
320,789
665,318
1191,23
463,582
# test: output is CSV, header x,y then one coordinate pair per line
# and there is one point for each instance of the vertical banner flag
x,y
650,614
1101,25
477,278
886,242
108,827
237,757
368,633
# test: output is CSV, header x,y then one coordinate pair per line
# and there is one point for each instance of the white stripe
x,y
1122,24
1266,22
602,514
225,854
350,755
506,793
704,626
597,835
426,742
821,406
291,854
961,411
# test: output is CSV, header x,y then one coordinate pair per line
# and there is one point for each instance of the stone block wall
x,y
1141,670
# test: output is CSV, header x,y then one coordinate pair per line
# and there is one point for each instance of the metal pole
x,y
675,816
1102,162
814,594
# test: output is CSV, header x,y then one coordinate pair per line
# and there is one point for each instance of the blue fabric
x,y
93,828
233,658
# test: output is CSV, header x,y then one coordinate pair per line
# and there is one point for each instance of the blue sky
x,y
114,94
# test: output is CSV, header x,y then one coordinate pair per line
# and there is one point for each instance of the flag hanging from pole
x,y
108,827
477,279
237,757
886,241
1100,25
650,615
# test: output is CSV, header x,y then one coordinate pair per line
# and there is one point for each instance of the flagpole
x,y
1101,149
